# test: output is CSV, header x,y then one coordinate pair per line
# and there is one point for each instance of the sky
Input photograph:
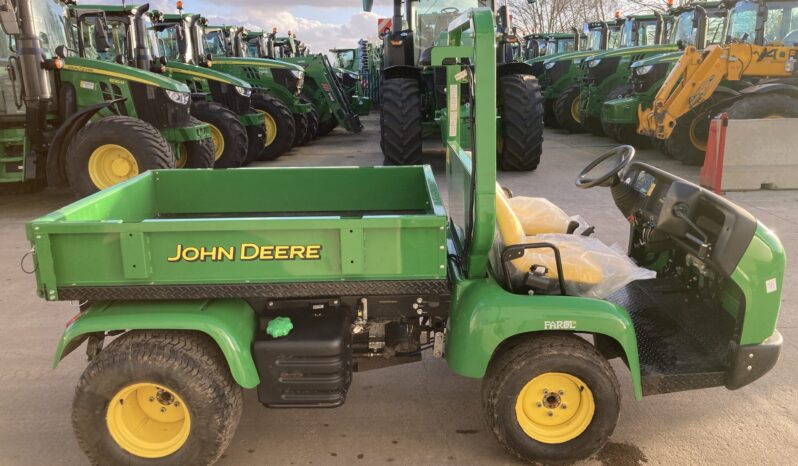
x,y
320,24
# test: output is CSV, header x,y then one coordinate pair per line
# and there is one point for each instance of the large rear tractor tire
x,y
156,398
400,122
280,127
112,150
230,142
566,109
761,106
551,399
196,154
520,105
300,128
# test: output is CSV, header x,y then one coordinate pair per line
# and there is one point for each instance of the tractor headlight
x,y
549,65
298,74
641,70
593,63
181,98
352,75
339,75
243,91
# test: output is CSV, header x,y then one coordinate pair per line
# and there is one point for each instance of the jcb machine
x,y
128,36
84,123
760,57
414,95
698,24
290,287
605,75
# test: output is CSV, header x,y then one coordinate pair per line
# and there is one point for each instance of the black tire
x,y
400,122
229,127
188,363
520,105
566,110
197,154
611,130
300,128
313,126
593,126
145,143
549,118
256,137
511,369
326,126
757,106
685,142
283,121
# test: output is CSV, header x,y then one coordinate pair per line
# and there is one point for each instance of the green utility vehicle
x,y
79,122
605,75
288,287
220,100
698,24
415,97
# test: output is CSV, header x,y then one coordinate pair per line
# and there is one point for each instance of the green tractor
x,y
415,94
80,122
554,44
360,69
605,76
697,24
222,101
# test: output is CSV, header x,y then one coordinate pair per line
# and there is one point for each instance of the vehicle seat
x,y
537,214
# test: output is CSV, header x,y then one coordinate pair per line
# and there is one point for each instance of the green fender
x,y
484,315
230,322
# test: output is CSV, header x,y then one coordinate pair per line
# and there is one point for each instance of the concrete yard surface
x,y
418,413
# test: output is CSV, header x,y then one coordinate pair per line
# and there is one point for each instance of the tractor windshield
x,y
215,42
781,23
50,23
168,40
638,32
105,40
595,36
559,46
431,17
345,59
150,37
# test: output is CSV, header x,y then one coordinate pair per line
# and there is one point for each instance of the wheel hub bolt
x,y
163,409
561,392
564,406
550,413
545,391
152,398
539,404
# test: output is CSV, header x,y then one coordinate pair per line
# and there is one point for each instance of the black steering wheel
x,y
450,9
625,155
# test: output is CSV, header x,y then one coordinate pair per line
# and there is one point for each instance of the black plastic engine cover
x,y
311,367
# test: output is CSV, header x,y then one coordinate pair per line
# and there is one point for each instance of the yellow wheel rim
x,y
555,407
218,142
148,420
695,140
182,156
271,127
110,164
575,110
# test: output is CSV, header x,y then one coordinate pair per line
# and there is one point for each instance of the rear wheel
x,y
760,106
156,397
400,122
521,109
229,137
566,109
279,125
112,150
551,398
300,128
688,140
196,154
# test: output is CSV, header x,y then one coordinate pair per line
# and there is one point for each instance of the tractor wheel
x,y
400,122
593,126
313,126
279,124
230,142
566,109
611,130
300,128
551,399
761,106
520,106
196,154
326,126
156,397
112,150
549,118
688,140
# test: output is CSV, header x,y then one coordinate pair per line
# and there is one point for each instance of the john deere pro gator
x,y
220,100
697,24
606,74
84,122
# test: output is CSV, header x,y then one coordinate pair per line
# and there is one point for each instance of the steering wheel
x,y
450,9
625,155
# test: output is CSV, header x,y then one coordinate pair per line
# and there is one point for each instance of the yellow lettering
x,y
190,254
313,252
252,247
178,254
266,253
281,252
228,253
205,253
297,252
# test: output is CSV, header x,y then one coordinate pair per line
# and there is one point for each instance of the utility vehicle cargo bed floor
x,y
682,340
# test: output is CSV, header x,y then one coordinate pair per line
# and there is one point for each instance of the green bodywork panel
x,y
552,89
230,322
13,147
257,72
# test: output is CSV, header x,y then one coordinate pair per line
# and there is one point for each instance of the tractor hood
x,y
574,56
122,72
640,49
265,62
205,73
668,57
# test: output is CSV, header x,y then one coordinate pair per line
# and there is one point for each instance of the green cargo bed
x,y
272,232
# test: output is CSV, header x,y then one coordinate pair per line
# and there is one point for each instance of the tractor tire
x,y
313,126
256,142
566,109
760,106
400,122
196,154
278,121
612,130
593,126
91,154
300,128
230,142
143,375
685,143
520,105
549,118
326,126
517,408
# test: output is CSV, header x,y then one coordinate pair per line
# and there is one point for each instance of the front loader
x,y
81,122
752,75
415,95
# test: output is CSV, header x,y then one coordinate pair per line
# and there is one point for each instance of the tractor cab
x,y
534,45
346,58
764,23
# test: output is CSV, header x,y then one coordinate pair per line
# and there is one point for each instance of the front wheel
x,y
280,128
520,105
566,109
300,128
196,154
229,137
156,397
400,122
313,126
551,399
